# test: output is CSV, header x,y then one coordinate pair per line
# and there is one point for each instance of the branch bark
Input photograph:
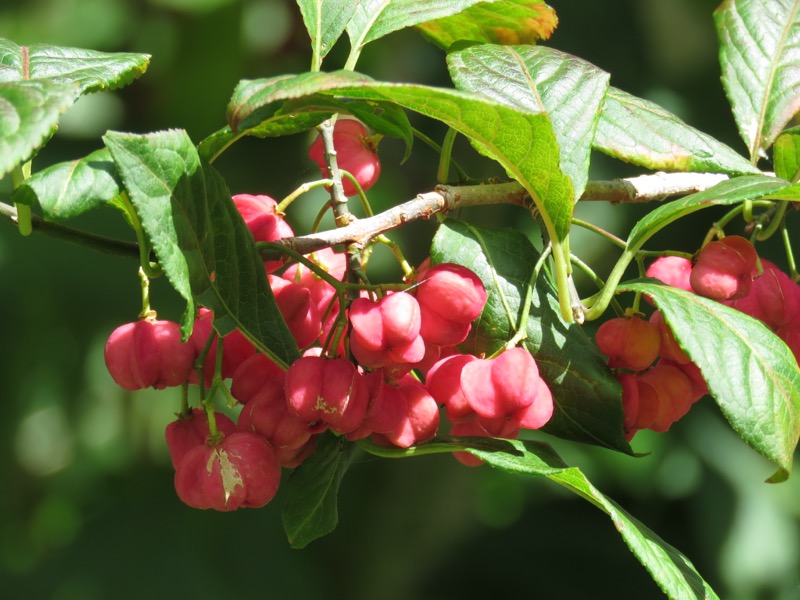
x,y
445,199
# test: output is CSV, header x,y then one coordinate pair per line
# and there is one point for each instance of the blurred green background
x,y
88,510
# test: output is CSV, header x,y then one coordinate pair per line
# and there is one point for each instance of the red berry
x,y
777,295
253,374
501,387
240,471
725,269
629,342
672,270
355,153
262,219
673,389
235,348
185,433
790,334
148,353
669,348
298,310
386,332
268,415
327,392
539,412
648,405
421,420
444,384
450,298
387,408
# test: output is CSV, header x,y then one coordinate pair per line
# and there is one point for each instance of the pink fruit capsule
x,y
725,269
240,471
629,342
450,297
327,393
148,353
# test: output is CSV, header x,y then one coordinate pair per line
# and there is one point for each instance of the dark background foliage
x,y
88,509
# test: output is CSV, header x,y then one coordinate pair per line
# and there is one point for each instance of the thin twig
x,y
447,198
444,199
93,241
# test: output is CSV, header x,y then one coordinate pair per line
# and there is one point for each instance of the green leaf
x,y
760,57
199,237
68,189
91,70
29,113
731,191
587,397
287,105
751,373
374,19
540,80
281,123
643,133
325,21
671,570
786,158
312,489
521,142
255,103
506,22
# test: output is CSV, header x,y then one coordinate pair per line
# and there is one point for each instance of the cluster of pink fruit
x,y
659,381
368,382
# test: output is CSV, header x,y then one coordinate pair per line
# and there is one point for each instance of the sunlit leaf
x,y
750,372
786,155
730,191
325,21
374,19
643,133
255,103
68,189
91,70
540,79
760,56
506,22
523,143
29,114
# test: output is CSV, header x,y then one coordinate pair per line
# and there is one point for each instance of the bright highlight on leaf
x,y
507,22
540,80
91,70
29,114
760,56
69,189
786,156
325,21
642,133
374,19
